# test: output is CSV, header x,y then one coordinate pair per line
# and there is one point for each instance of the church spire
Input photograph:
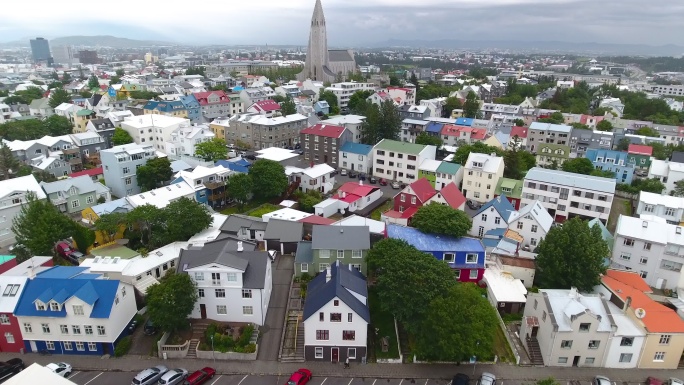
x,y
316,65
318,18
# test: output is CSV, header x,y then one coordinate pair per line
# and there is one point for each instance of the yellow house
x,y
171,108
126,89
81,120
664,341
91,214
219,128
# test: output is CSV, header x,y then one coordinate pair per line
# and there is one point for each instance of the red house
x,y
408,201
12,284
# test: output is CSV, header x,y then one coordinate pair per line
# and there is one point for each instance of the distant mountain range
x,y
540,46
94,41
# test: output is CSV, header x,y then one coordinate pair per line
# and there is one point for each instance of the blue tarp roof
x,y
356,148
434,127
433,242
465,121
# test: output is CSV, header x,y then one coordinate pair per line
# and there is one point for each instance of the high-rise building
x,y
40,49
63,54
323,64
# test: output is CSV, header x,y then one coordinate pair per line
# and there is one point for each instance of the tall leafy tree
x,y
679,189
288,107
383,251
155,172
330,97
110,224
195,219
435,218
93,83
121,136
370,130
146,218
464,150
39,225
571,256
604,125
471,107
83,236
58,125
457,326
357,102
268,179
390,120
58,97
9,165
171,301
430,140
623,144
451,104
213,150
240,188
578,166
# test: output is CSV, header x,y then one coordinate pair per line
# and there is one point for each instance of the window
x,y
659,356
50,345
457,272
534,228
643,274
67,346
628,242
449,257
220,293
643,260
215,279
336,302
90,199
128,181
497,220
340,254
589,360
348,335
357,254
304,267
123,288
584,327
247,310
625,256
10,290
413,200
335,317
80,346
566,344
246,293
28,328
669,211
76,329
322,335
199,276
221,309
100,330
471,258
88,330
535,304
594,344
627,341
351,353
64,329
46,328
323,266
647,245
484,217
473,274
78,310
4,319
92,346
200,293
520,225
350,316
40,306
665,339
562,360
544,316
626,357
231,277
318,352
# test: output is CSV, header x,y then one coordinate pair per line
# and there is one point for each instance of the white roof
x,y
276,154
566,303
83,184
341,120
144,121
48,141
430,165
538,212
504,286
131,148
8,303
314,172
658,167
85,135
200,172
563,178
550,127
415,121
375,227
212,232
100,264
287,203
658,199
158,257
162,196
625,326
490,163
286,214
36,374
31,266
266,121
21,184
650,228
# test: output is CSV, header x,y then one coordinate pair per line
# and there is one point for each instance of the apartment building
x,y
566,194
214,104
261,132
667,172
613,161
153,129
540,133
120,165
321,142
664,206
13,195
668,90
399,161
353,123
185,138
343,91
583,140
481,175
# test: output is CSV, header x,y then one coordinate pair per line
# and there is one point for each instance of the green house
x,y
347,244
428,170
73,195
512,189
639,155
549,152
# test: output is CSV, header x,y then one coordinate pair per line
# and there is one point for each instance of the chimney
x,y
628,303
327,274
239,244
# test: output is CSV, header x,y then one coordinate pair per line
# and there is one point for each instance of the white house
x,y
481,175
350,197
312,178
399,161
664,206
353,123
495,214
234,280
532,222
162,196
336,315
356,157
13,195
153,129
185,138
667,172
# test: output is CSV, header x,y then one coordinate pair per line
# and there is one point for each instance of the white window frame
x,y
468,255
221,309
449,260
247,310
318,352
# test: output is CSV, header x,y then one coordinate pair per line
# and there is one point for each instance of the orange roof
x,y
659,318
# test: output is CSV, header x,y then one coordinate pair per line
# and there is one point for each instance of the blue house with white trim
x,y
193,107
611,160
238,164
465,255
68,310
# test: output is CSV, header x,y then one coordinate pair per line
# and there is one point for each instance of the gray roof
x,y
304,253
340,237
83,183
677,156
224,252
339,55
308,92
235,222
343,281
284,231
563,178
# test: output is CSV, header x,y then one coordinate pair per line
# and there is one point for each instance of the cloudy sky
x,y
351,22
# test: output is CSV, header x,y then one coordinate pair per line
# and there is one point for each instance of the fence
x,y
172,351
511,345
208,355
626,195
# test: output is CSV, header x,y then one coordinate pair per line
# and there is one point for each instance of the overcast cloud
x,y
351,22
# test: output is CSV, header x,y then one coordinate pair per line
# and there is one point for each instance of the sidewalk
x,y
326,369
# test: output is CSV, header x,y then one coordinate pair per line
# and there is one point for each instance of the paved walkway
x,y
326,369
272,332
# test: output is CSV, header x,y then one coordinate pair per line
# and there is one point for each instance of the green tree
x,y
29,129
30,94
604,125
394,81
390,120
239,188
288,107
58,97
555,118
308,200
43,176
441,219
268,179
9,165
14,99
330,97
114,80
471,107
430,140
170,301
678,191
83,236
39,225
278,98
143,95
451,104
357,102
110,224
442,335
144,220
647,131
571,256
652,185
578,166
195,216
93,83
623,144
517,162
383,251
548,381
213,150
58,125
121,136
579,126
196,71
519,122
370,130
155,172
463,151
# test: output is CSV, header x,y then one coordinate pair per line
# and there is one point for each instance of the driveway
x,y
272,332
141,345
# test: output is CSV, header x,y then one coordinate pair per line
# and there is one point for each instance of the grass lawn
x,y
249,206
620,206
384,322
501,347
263,209
375,214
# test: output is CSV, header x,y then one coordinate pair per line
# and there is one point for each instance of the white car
x,y
61,368
487,379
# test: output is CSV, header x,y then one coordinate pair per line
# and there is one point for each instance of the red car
x,y
200,376
300,377
383,182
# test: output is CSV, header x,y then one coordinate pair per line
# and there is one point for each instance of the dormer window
x,y
54,306
40,306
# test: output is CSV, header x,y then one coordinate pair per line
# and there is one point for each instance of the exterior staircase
x,y
534,351
292,349
291,189
192,350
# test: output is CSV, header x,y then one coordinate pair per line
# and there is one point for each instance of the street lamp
x,y
212,347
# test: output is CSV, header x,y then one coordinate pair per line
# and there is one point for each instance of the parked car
x,y
201,376
373,180
402,185
473,205
353,174
68,253
362,176
300,377
653,381
343,172
674,381
10,368
487,379
601,380
298,146
395,185
149,328
460,379
150,376
642,173
173,377
61,368
382,182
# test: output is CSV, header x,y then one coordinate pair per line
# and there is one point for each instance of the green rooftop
x,y
84,112
6,258
448,168
512,188
402,147
115,250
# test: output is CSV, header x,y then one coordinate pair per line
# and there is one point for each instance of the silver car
x,y
150,376
173,377
601,380
487,379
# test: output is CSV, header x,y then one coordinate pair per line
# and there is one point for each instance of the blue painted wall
x,y
623,169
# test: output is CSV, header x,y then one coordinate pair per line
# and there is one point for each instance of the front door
x,y
34,348
352,166
534,331
575,362
105,348
335,354
158,273
203,311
